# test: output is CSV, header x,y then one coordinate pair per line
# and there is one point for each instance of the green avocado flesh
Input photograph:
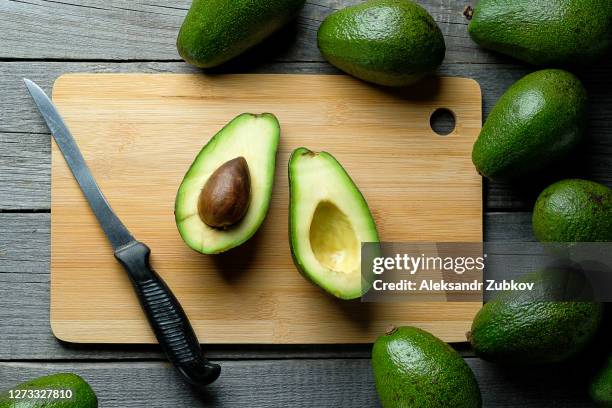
x,y
215,31
328,221
537,122
387,42
82,394
601,386
254,137
549,324
545,32
413,368
574,210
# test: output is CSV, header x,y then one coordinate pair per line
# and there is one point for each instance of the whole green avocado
x,y
82,396
549,324
573,210
545,32
387,42
535,123
413,368
215,31
600,389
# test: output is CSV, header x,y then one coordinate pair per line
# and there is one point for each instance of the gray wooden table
x,y
42,39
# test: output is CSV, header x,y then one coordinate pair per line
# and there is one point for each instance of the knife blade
x,y
117,233
164,312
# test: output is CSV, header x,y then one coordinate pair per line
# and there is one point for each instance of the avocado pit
x,y
225,198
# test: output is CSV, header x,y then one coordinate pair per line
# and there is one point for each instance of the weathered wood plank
x,y
294,383
147,30
591,161
24,298
27,186
25,168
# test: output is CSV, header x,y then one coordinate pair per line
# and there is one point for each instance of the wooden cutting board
x,y
140,132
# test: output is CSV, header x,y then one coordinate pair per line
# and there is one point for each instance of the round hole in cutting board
x,y
442,121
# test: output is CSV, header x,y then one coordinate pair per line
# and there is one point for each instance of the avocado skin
x,y
83,395
535,123
215,31
387,42
545,32
600,389
573,210
542,327
413,368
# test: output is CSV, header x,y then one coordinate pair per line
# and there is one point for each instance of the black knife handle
x,y
166,317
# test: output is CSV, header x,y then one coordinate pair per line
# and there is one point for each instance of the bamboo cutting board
x,y
140,132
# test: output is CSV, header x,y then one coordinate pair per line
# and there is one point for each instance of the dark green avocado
x,y
81,394
545,32
215,31
536,122
601,386
550,324
387,42
413,368
574,210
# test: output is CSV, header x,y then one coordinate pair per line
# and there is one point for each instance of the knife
x,y
165,314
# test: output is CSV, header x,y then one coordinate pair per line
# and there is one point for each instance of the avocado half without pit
x,y
329,219
224,196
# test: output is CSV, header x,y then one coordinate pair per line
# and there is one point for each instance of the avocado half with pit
x,y
329,220
224,196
